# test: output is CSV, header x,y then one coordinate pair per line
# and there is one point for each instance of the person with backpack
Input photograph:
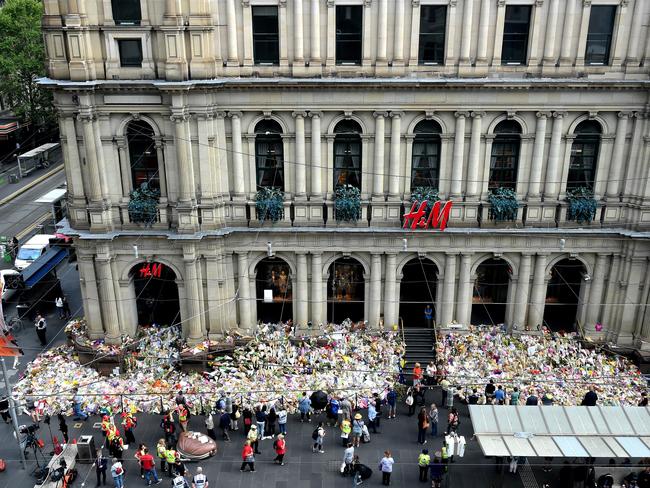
x,y
357,430
282,420
423,463
318,436
391,401
280,447
117,472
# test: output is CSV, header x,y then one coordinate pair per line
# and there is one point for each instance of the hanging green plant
x,y
582,205
269,203
425,193
143,205
503,204
347,203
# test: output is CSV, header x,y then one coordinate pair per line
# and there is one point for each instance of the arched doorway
x,y
345,291
156,294
490,293
563,295
274,291
417,290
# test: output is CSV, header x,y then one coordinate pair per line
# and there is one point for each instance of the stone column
x,y
584,29
71,157
245,303
205,131
398,37
315,32
464,299
90,296
237,155
298,51
283,31
192,297
316,169
301,180
107,301
246,26
375,290
382,31
535,183
317,302
523,287
630,296
302,315
551,29
415,32
449,289
184,158
498,33
566,51
596,293
366,30
474,163
536,27
395,160
331,34
450,42
552,185
483,32
378,169
231,18
95,189
459,153
635,42
391,300
466,41
538,295
616,166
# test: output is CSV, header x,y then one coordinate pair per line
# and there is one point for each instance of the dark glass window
x,y
130,52
425,162
347,154
126,12
515,34
269,158
599,35
143,157
584,155
504,161
432,34
349,32
266,37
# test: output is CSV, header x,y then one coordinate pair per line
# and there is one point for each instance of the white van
x,y
31,250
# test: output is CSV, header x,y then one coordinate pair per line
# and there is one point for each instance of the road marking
x,y
30,185
33,226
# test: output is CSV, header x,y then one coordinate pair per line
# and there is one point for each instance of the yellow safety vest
x,y
424,460
162,451
170,456
444,453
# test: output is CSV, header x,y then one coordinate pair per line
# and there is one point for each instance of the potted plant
x,y
582,204
425,193
347,203
503,204
143,205
269,203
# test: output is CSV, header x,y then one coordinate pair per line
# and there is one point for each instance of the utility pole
x,y
12,411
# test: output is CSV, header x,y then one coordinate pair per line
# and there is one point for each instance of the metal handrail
x,y
401,323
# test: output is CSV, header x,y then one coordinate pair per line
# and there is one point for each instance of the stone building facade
x,y
210,101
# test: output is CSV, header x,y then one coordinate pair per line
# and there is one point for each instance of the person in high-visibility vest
x,y
129,422
170,457
106,422
445,456
183,414
423,463
161,449
346,429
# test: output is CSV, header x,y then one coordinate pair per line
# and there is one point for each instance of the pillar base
x,y
614,213
463,214
188,218
236,213
100,217
113,339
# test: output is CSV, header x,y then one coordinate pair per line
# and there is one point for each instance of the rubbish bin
x,y
86,452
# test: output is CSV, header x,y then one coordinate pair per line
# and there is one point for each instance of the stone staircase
x,y
419,349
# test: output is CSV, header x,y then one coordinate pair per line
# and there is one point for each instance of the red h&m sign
x,y
151,270
417,218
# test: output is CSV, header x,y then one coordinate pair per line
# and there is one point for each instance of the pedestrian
x,y
224,425
372,416
355,471
248,420
346,429
169,428
417,374
304,407
357,430
391,400
547,399
280,447
41,329
117,446
410,401
260,418
500,395
253,437
433,419
346,408
532,399
318,435
77,408
489,390
514,461
170,459
428,315
332,411
386,468
66,308
451,393
138,455
101,466
199,480
473,398
129,422
453,421
423,425
179,465
183,416
180,481
248,457
180,399
161,449
348,458
234,414
117,472
514,396
282,419
423,463
58,302
642,403
209,425
430,374
436,470
444,384
271,418
63,427
379,404
149,467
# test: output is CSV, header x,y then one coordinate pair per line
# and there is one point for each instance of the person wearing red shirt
x,y
417,374
280,449
149,466
248,457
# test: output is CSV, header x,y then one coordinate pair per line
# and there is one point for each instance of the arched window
x,y
425,162
584,155
504,160
269,158
142,154
347,154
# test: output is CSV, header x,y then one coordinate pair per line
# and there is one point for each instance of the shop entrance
x,y
417,290
156,294
491,292
563,295
345,291
274,292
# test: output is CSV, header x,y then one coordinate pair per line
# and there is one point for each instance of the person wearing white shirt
x,y
199,480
